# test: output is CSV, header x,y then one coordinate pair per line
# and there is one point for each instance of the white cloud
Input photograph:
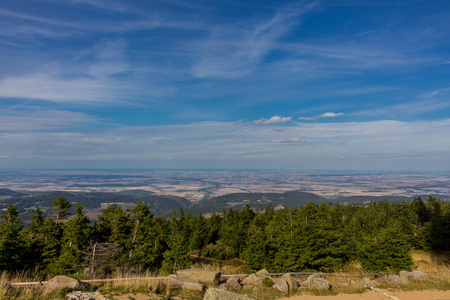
x,y
274,120
324,115
289,141
307,118
100,74
53,87
369,145
330,115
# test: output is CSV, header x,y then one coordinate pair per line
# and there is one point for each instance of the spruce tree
x,y
12,243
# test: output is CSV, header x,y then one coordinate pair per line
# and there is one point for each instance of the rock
x,y
205,276
394,279
317,282
233,284
82,296
253,280
262,272
217,294
60,282
366,282
404,277
249,288
293,284
382,280
175,282
281,284
417,275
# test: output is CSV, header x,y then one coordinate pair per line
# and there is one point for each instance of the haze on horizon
x,y
300,85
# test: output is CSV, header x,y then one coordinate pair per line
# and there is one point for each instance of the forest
x,y
323,237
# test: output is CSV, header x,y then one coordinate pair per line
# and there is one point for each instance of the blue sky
x,y
303,85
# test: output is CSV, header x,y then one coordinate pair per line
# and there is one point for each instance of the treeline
x,y
321,237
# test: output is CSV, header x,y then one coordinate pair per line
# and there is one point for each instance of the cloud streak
x,y
242,145
33,121
233,52
324,115
273,121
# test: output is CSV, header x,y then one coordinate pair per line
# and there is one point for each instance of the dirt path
x,y
369,295
381,295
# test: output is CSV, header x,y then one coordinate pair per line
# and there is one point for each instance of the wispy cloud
x,y
37,120
324,115
330,115
104,4
274,120
28,26
100,74
407,110
235,144
232,52
289,141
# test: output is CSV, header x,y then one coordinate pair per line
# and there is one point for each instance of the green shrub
x,y
267,282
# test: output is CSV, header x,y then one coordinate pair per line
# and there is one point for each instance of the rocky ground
x,y
210,285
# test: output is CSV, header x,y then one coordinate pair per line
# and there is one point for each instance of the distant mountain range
x,y
164,205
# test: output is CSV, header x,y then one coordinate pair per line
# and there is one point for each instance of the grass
x,y
8,292
136,282
229,267
426,261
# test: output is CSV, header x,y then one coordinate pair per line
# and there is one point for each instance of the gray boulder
x,y
417,275
61,282
249,288
317,282
253,280
366,282
382,280
291,281
262,272
394,279
233,284
281,284
217,294
175,282
81,296
205,276
404,275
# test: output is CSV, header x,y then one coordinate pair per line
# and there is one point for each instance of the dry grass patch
x,y
145,282
431,261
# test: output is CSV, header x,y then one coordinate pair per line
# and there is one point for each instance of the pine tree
x,y
255,252
75,241
387,250
35,239
199,237
176,257
145,248
12,243
60,207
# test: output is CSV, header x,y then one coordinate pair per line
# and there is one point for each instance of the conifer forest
x,y
322,237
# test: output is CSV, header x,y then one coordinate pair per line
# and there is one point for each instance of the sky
x,y
172,84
